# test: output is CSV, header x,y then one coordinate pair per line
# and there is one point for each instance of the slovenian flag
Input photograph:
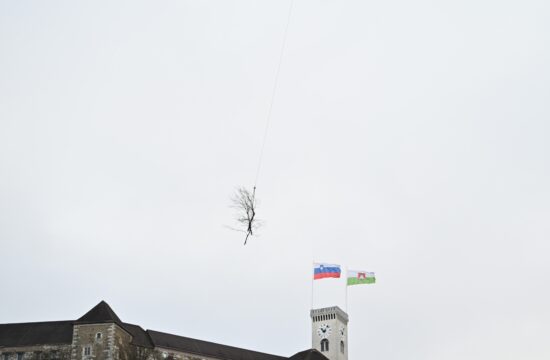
x,y
358,277
323,271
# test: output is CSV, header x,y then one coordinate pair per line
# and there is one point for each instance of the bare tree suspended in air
x,y
244,202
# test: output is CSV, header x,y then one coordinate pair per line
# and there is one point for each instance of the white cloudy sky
x,y
408,138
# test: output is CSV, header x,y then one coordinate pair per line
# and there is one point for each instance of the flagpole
x,y
313,267
346,285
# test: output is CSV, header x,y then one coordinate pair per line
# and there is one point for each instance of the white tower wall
x,y
330,326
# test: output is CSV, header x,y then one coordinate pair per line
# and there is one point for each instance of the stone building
x,y
101,335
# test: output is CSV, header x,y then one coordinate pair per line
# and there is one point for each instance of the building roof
x,y
140,337
38,333
205,348
61,333
101,313
310,354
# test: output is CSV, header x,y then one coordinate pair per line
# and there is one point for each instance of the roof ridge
x,y
206,342
38,322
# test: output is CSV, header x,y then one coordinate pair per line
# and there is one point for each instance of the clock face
x,y
324,331
342,332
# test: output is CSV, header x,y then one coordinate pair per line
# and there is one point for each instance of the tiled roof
x,y
38,333
101,313
139,336
205,348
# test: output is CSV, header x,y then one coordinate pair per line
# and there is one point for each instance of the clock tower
x,y
329,332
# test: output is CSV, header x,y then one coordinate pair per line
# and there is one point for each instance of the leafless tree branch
x,y
244,202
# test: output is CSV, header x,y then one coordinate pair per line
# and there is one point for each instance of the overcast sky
x,y
410,138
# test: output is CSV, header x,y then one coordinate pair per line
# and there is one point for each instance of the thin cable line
x,y
273,93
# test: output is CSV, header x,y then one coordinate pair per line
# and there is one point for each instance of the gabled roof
x,y
310,354
101,313
205,348
139,336
38,333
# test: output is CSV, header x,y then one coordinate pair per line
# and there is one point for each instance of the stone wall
x,y
177,355
121,344
101,342
39,352
91,342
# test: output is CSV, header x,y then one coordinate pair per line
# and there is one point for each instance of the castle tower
x,y
100,335
329,332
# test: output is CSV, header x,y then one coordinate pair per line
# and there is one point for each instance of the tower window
x,y
324,345
342,347
98,336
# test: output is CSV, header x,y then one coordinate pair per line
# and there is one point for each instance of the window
x,y
98,336
87,350
20,356
342,347
6,356
54,355
324,345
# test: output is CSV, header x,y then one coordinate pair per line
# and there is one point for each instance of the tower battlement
x,y
328,312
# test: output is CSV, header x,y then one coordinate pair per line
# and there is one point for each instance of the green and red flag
x,y
359,277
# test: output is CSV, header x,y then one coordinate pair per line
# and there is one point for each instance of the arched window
x,y
342,347
324,345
